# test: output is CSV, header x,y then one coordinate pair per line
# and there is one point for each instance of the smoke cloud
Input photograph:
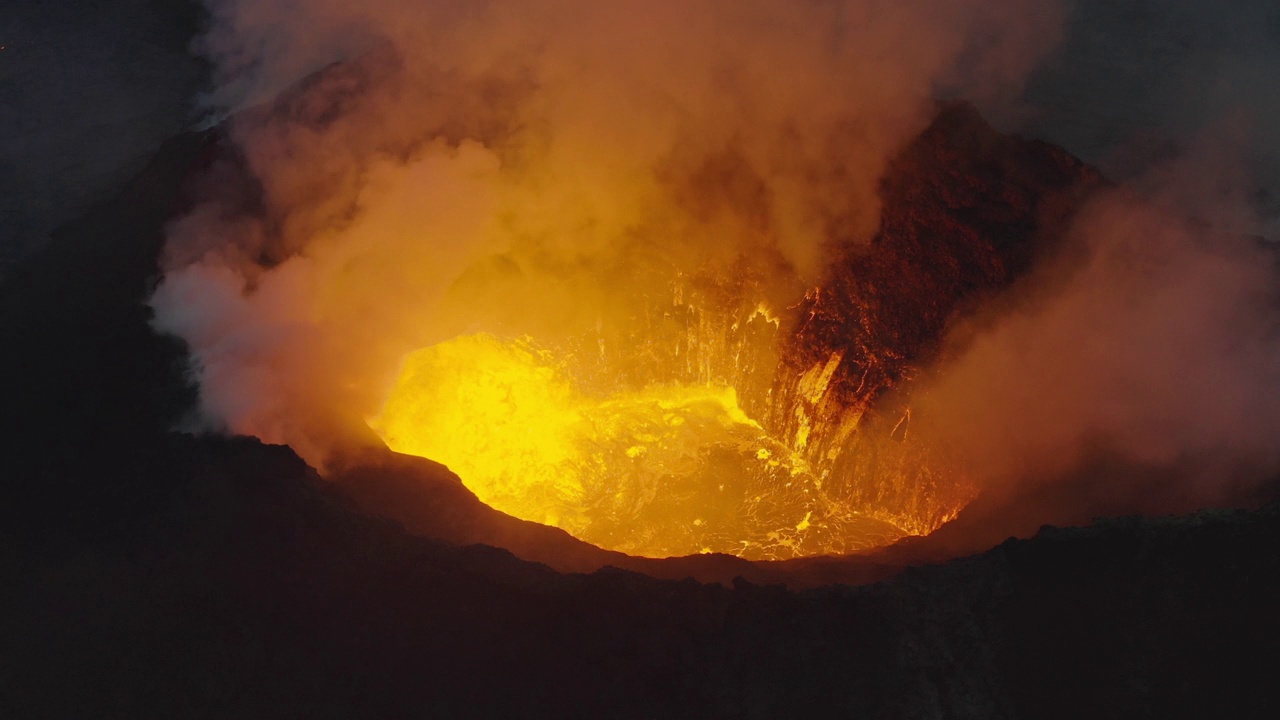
x,y
1145,357
452,166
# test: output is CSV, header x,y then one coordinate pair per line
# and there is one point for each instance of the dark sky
x,y
88,90
1138,79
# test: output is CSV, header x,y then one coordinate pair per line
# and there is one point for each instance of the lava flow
x,y
645,451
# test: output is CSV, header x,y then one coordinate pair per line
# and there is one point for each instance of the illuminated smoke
x,y
1146,357
571,171
520,166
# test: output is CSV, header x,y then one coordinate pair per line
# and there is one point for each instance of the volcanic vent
x,y
667,294
712,419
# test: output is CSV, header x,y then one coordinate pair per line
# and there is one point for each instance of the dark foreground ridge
x,y
154,574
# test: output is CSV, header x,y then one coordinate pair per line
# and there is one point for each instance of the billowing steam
x,y
1153,343
526,166
540,153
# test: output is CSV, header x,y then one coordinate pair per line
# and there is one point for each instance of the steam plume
x,y
1151,344
537,152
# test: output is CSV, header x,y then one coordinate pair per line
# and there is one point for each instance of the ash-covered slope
x,y
150,574
247,590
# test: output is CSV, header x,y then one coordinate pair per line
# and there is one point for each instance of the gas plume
x,y
1139,370
448,167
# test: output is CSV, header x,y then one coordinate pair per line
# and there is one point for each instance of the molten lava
x,y
669,469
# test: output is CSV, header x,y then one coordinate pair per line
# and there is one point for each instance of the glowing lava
x,y
670,469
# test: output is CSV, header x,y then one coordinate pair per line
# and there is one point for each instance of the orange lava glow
x,y
667,469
